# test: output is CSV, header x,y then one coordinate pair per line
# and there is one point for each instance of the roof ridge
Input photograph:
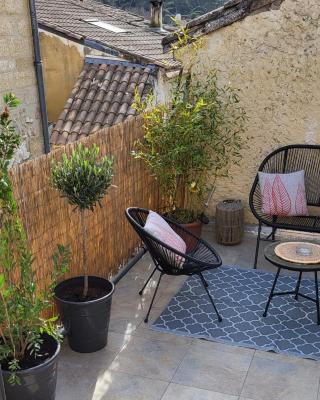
x,y
230,12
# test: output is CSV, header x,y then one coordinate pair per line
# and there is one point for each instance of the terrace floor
x,y
140,364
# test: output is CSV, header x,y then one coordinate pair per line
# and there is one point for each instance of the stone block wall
x,y
17,74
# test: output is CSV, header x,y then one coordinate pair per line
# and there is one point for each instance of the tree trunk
x,y
84,254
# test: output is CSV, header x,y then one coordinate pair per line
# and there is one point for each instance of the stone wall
x,y
273,57
17,74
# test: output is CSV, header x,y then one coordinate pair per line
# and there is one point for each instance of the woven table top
x,y
299,252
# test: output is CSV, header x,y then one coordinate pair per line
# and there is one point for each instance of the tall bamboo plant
x,y
22,302
194,138
83,179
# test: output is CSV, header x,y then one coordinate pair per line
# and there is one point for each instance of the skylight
x,y
105,25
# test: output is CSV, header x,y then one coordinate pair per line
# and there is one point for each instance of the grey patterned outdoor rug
x,y
241,295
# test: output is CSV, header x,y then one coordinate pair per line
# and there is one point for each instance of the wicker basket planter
x,y
229,222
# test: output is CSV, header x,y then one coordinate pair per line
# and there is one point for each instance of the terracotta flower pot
x,y
195,228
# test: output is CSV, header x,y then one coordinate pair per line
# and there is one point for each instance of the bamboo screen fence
x,y
49,220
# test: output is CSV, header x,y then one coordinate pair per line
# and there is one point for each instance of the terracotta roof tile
x,y
102,96
139,41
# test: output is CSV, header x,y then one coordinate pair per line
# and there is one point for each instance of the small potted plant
x,y
84,302
29,342
190,142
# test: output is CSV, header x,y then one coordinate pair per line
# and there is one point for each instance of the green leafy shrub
x,y
191,141
22,302
83,179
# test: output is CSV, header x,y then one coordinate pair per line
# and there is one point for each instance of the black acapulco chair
x,y
284,160
167,260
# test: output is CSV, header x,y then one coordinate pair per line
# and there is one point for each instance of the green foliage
x,y
9,142
22,302
82,178
193,140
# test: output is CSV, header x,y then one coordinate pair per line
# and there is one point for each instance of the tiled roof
x,y
139,42
101,97
232,11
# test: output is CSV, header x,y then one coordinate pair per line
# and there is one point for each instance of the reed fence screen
x,y
50,221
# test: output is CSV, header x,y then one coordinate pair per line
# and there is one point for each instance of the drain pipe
x,y
132,262
39,74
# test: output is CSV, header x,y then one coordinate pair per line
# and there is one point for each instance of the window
x,y
105,25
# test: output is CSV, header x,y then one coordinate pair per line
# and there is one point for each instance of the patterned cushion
x,y
161,230
283,194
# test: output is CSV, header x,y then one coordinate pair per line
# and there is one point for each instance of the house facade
x,y
74,36
271,53
18,74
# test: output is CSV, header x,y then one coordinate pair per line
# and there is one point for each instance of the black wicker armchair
x,y
167,260
285,160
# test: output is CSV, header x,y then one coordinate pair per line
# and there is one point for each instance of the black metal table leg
x,y
271,293
257,246
298,286
317,295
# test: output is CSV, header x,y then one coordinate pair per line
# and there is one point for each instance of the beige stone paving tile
x,y
179,392
114,385
206,345
116,341
144,331
76,383
288,359
207,367
281,378
130,298
125,319
78,373
100,359
150,358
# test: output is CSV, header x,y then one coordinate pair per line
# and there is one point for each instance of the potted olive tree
x,y
29,342
190,142
84,302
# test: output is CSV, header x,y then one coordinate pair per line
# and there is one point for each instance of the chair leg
x,y
204,280
257,246
317,296
154,295
148,280
272,235
210,297
298,286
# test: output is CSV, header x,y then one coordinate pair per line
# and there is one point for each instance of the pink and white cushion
x,y
283,194
161,230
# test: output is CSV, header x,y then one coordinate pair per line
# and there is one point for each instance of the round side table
x,y
271,256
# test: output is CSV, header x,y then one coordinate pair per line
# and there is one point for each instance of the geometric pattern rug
x,y
240,296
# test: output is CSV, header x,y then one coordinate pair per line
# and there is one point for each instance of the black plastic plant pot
x,y
86,322
37,383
